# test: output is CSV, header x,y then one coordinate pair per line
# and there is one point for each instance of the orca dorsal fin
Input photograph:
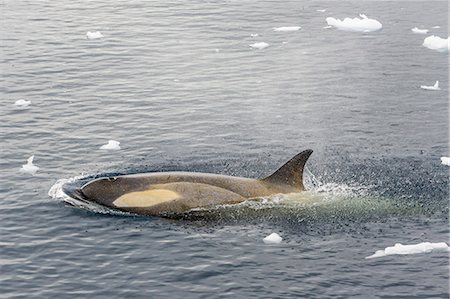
x,y
291,173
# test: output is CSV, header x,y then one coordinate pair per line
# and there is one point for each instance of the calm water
x,y
177,84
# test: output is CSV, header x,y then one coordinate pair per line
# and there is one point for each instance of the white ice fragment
x,y
445,161
94,35
286,29
22,103
112,145
321,10
434,87
29,167
356,24
436,27
424,247
259,46
273,238
419,31
436,43
254,35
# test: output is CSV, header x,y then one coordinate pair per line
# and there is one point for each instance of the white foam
x,y
321,10
356,24
434,87
273,238
419,31
436,27
287,29
436,43
327,27
445,161
424,247
259,46
254,35
22,103
112,145
29,168
94,35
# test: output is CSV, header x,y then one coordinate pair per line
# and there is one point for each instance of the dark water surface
x,y
177,84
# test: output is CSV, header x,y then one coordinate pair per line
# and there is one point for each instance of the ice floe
x,y
424,247
286,29
356,24
29,167
434,87
445,161
112,145
22,103
259,46
436,43
419,31
94,35
273,238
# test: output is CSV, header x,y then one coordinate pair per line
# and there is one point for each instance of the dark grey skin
x,y
177,192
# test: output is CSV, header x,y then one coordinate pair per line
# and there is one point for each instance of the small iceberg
x,y
321,10
22,103
355,25
29,167
112,145
94,35
424,247
419,31
273,238
286,29
434,87
436,43
259,46
445,161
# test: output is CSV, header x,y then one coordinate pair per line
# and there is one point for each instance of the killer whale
x,y
162,193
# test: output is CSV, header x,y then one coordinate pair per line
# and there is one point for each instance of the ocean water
x,y
178,85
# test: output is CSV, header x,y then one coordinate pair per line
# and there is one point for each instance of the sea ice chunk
x,y
29,167
273,238
356,24
434,87
445,161
398,248
259,46
419,31
436,43
94,35
22,103
287,29
112,145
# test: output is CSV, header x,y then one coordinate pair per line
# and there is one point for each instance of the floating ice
x,y
29,167
424,247
287,29
434,87
22,103
112,145
436,27
273,238
259,46
436,43
419,31
321,10
445,161
355,25
94,35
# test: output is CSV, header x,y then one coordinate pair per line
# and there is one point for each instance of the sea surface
x,y
176,83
